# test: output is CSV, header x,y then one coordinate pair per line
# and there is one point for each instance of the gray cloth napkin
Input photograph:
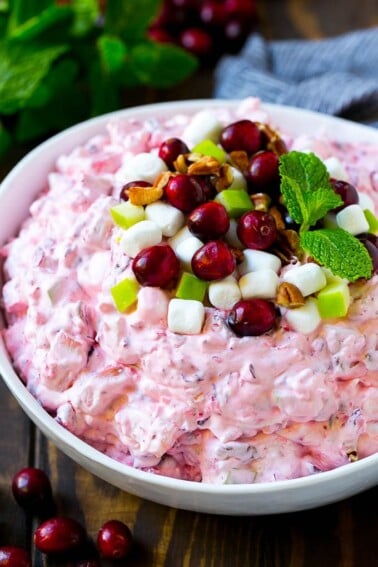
x,y
336,76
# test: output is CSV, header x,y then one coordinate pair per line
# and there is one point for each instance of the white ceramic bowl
x,y
17,192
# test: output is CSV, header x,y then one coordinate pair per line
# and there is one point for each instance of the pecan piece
x,y
224,179
240,159
288,295
180,164
207,165
274,141
144,195
261,202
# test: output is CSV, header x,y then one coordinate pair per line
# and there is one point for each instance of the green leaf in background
x,y
45,20
104,91
86,14
112,52
23,10
161,65
5,140
130,19
22,68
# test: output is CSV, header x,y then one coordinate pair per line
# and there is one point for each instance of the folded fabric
x,y
336,76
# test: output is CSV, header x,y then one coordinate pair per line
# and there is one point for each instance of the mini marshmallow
x,y
168,218
185,316
262,284
231,235
254,260
144,166
139,236
336,169
186,250
308,278
179,237
223,294
352,219
304,319
366,202
204,125
239,181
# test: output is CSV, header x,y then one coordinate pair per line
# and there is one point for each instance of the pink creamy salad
x,y
210,407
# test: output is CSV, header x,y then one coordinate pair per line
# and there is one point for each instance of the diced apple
x,y
372,221
125,293
191,287
126,214
334,300
210,148
235,201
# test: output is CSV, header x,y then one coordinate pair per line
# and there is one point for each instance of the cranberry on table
x,y
184,192
12,556
213,13
137,183
213,261
243,135
114,540
59,535
209,221
262,173
257,230
170,149
198,41
252,317
32,491
346,191
156,266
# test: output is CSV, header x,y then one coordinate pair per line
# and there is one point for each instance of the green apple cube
x,y
372,221
125,293
334,300
235,201
209,148
191,287
126,214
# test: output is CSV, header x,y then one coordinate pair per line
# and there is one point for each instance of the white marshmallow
x,y
139,236
262,284
186,250
231,235
168,218
185,316
203,126
366,202
308,278
259,260
223,294
144,166
336,169
304,319
179,237
352,219
239,181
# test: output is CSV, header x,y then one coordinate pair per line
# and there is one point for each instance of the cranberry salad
x,y
197,296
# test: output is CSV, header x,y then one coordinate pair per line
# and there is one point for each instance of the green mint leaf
x,y
339,251
161,65
305,187
23,10
22,68
34,27
112,52
86,14
130,19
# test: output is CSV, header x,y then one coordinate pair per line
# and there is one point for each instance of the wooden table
x,y
338,535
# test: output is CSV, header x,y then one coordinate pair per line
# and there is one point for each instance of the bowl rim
x,y
63,437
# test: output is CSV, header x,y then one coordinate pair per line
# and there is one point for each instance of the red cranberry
x,y
114,540
213,261
244,9
213,13
208,189
11,556
32,491
242,135
137,183
197,41
59,535
373,253
156,266
346,191
257,230
184,192
373,238
170,150
209,221
262,174
160,35
252,317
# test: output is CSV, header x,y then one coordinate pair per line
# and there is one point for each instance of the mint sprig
x,y
306,189
339,251
308,196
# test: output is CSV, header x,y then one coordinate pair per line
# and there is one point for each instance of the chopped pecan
x,y
240,159
237,254
144,195
224,178
276,214
287,245
288,295
162,179
207,165
261,201
180,164
352,456
274,141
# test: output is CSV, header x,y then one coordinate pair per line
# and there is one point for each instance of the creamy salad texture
x,y
207,406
